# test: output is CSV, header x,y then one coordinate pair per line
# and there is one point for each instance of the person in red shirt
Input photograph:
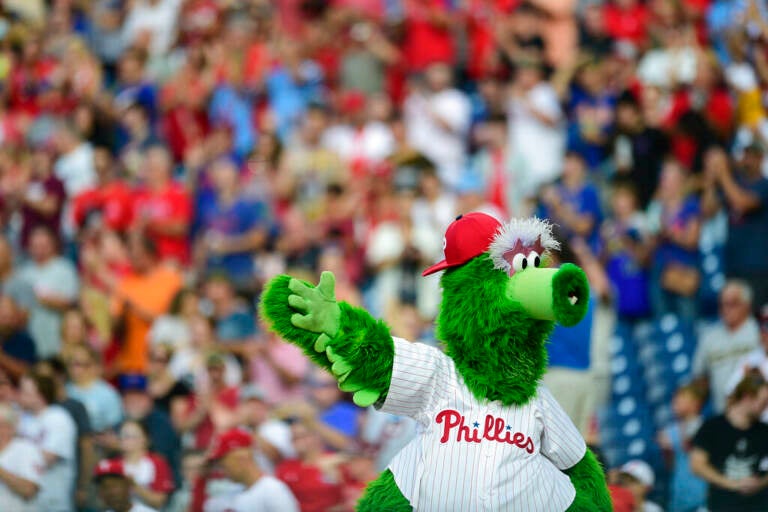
x,y
151,475
428,35
315,476
162,209
108,203
626,20
481,19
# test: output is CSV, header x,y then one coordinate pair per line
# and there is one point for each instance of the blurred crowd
x,y
161,159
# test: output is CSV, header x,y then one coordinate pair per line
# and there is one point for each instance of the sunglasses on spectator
x,y
81,363
158,359
730,303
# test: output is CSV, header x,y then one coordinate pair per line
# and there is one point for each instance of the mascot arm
x,y
345,340
588,479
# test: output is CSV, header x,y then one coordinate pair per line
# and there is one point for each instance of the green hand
x,y
341,369
322,313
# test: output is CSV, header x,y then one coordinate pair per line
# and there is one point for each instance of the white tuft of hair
x,y
527,231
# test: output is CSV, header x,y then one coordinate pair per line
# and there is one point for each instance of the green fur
x,y
366,345
362,341
276,312
383,495
570,278
591,488
497,348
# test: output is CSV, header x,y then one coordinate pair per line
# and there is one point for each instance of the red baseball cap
x,y
468,236
225,442
109,467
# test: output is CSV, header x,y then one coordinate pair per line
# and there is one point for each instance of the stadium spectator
x,y
272,436
86,450
743,192
625,250
314,476
230,226
721,347
43,199
675,278
232,451
437,117
728,448
20,464
638,477
55,284
139,407
50,427
687,492
115,487
150,473
162,209
87,386
17,349
140,297
536,127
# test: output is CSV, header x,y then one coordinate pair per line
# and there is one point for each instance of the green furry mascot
x,y
490,436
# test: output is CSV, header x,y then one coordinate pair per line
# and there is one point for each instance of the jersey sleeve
x,y
280,498
561,441
163,481
419,372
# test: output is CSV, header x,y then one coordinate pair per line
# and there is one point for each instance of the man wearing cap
x,y
232,451
638,477
744,194
114,487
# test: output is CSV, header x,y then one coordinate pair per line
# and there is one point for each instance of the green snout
x,y
556,294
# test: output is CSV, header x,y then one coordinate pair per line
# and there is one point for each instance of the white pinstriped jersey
x,y
471,455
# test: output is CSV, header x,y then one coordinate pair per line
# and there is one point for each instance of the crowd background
x,y
161,159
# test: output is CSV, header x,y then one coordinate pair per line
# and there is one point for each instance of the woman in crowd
x,y
151,475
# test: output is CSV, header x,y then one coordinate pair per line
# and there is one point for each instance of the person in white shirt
x,y
20,465
722,346
437,120
114,487
757,359
536,129
232,452
53,430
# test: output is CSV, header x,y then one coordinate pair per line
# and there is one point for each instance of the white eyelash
x,y
527,231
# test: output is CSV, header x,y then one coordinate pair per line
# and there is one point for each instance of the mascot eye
x,y
519,262
534,259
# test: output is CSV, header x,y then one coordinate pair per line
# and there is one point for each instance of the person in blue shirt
x,y
568,376
229,226
625,249
678,226
590,114
743,194
573,203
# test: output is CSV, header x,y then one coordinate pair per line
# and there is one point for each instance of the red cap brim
x,y
437,267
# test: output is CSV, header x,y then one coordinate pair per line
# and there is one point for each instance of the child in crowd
x,y
687,491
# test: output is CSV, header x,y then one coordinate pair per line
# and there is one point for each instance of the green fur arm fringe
x,y
276,312
592,493
383,495
366,346
363,342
